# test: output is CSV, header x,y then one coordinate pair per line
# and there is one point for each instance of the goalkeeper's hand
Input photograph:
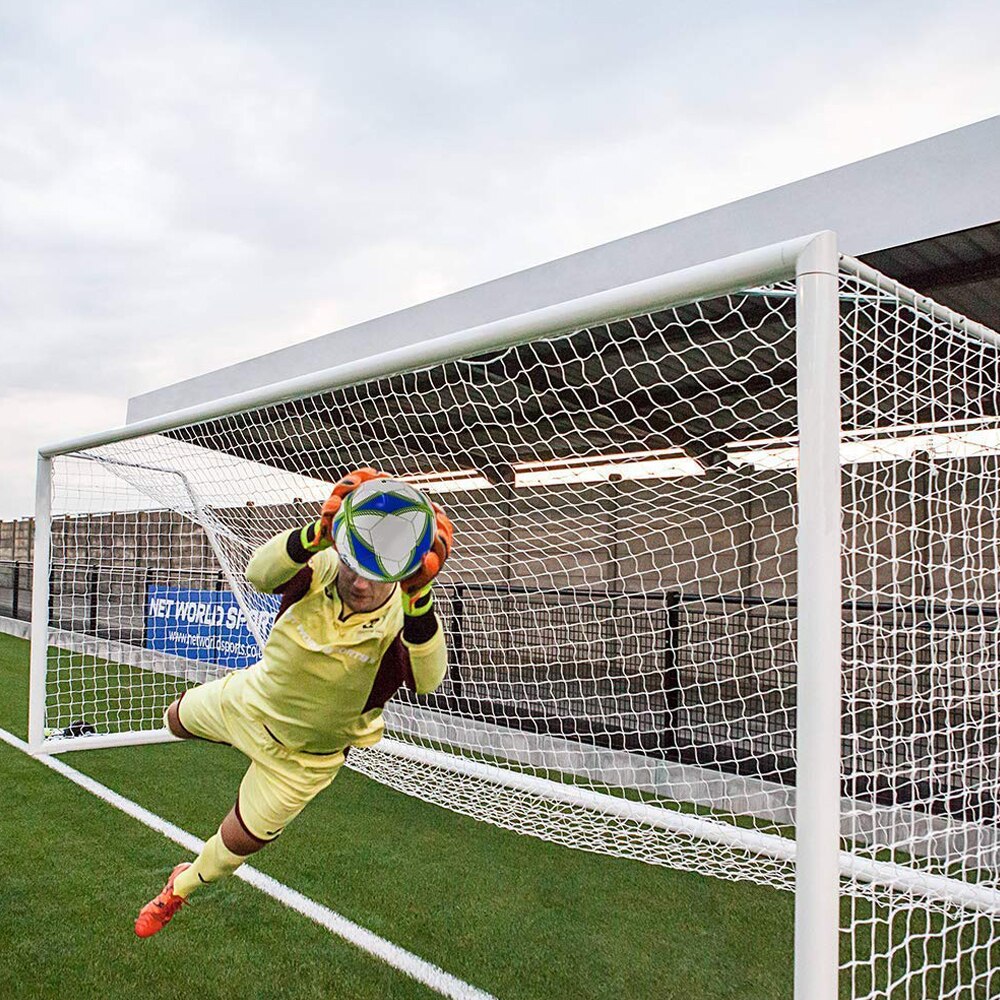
x,y
319,534
415,590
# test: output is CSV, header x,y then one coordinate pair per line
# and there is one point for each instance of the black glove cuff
x,y
295,549
420,628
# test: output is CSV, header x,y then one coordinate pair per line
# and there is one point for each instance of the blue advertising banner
x,y
206,625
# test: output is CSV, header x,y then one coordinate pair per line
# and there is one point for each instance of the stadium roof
x,y
927,214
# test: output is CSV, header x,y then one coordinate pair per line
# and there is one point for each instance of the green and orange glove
x,y
415,590
319,535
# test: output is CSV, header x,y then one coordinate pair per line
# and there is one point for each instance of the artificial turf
x,y
513,915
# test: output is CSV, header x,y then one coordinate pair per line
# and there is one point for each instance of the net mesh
x,y
621,607
921,726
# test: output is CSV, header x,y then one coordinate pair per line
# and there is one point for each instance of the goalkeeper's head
x,y
360,594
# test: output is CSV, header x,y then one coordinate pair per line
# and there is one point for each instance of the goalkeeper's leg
x,y
222,854
270,797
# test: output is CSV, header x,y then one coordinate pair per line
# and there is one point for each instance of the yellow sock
x,y
215,861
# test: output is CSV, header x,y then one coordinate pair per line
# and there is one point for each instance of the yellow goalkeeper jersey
x,y
327,672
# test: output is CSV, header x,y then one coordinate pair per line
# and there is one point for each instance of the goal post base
x,y
99,741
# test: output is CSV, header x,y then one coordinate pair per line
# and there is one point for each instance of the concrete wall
x,y
725,533
16,538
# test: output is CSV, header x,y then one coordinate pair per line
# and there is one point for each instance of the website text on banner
x,y
206,625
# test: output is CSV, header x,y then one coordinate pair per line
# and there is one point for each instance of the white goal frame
x,y
813,262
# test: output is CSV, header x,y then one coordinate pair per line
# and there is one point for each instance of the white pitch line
x,y
399,958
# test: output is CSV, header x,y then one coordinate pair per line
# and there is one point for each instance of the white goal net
x,y
622,607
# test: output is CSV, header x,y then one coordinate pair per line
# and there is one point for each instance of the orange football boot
x,y
158,912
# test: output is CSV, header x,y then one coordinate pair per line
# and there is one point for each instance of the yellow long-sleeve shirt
x,y
327,672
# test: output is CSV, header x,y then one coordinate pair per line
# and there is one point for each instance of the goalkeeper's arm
x,y
279,559
422,632
423,638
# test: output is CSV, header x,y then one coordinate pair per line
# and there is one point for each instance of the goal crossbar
x,y
767,264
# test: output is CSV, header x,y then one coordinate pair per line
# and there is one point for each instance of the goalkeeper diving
x,y
341,646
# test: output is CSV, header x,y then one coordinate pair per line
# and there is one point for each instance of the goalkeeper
x,y
340,647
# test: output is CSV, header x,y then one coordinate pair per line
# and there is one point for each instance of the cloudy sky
x,y
187,184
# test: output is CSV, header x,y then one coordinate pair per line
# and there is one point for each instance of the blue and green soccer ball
x,y
383,530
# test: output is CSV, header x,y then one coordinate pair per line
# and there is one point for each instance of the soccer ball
x,y
383,530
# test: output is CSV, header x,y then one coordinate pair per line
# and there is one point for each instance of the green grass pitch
x,y
511,915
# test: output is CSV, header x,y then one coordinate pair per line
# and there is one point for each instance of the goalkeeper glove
x,y
319,534
416,589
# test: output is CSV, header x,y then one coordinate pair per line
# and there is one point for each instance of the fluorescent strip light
x,y
675,467
449,482
957,444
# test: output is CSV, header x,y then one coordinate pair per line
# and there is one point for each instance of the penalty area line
x,y
399,958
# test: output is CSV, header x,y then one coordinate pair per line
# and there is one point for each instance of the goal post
x,y
818,725
40,604
724,596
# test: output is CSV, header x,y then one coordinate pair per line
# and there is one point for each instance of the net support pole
x,y
40,603
817,816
